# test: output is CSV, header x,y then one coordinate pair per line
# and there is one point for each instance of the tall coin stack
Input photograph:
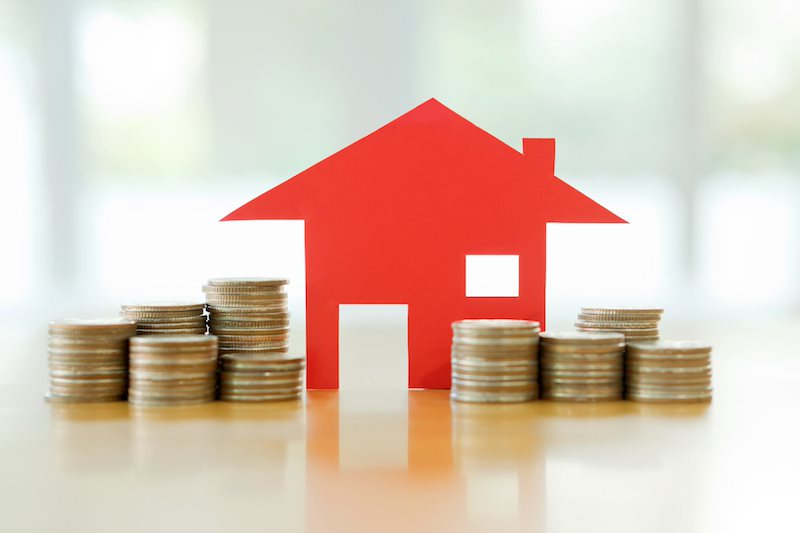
x,y
167,318
494,360
637,324
248,315
581,366
88,360
261,377
668,371
172,369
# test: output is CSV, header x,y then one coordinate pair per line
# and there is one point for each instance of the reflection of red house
x,y
390,219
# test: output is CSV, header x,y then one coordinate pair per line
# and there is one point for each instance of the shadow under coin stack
x,y
581,366
637,324
668,371
248,315
494,360
167,318
261,377
88,360
172,369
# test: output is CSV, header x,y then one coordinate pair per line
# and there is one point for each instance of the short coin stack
x,y
88,360
172,369
166,318
637,324
581,366
261,377
248,315
494,360
668,371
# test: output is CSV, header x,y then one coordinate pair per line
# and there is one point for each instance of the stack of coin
x,y
261,377
494,360
167,318
88,360
636,323
172,369
581,366
668,371
248,315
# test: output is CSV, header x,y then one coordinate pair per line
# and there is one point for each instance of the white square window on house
x,y
493,275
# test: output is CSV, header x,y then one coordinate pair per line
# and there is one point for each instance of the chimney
x,y
540,155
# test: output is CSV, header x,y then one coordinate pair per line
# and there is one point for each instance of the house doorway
x,y
373,386
373,347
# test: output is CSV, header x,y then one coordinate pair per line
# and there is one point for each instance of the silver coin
x,y
244,315
628,332
462,377
252,398
484,325
225,350
581,358
628,324
173,341
176,385
269,338
196,322
260,378
162,332
78,360
243,289
92,369
671,347
153,318
156,352
92,325
142,402
276,309
461,352
648,369
88,393
494,365
622,309
612,373
607,396
152,389
471,397
167,375
89,375
177,360
268,357
265,296
262,367
667,379
87,342
667,398
247,281
581,338
163,306
169,393
56,398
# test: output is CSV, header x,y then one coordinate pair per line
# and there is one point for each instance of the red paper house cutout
x,y
391,218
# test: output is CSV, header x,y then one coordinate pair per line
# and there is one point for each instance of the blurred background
x,y
128,129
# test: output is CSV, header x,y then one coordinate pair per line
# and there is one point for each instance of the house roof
x,y
440,155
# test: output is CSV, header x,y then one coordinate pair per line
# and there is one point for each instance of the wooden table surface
x,y
371,460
